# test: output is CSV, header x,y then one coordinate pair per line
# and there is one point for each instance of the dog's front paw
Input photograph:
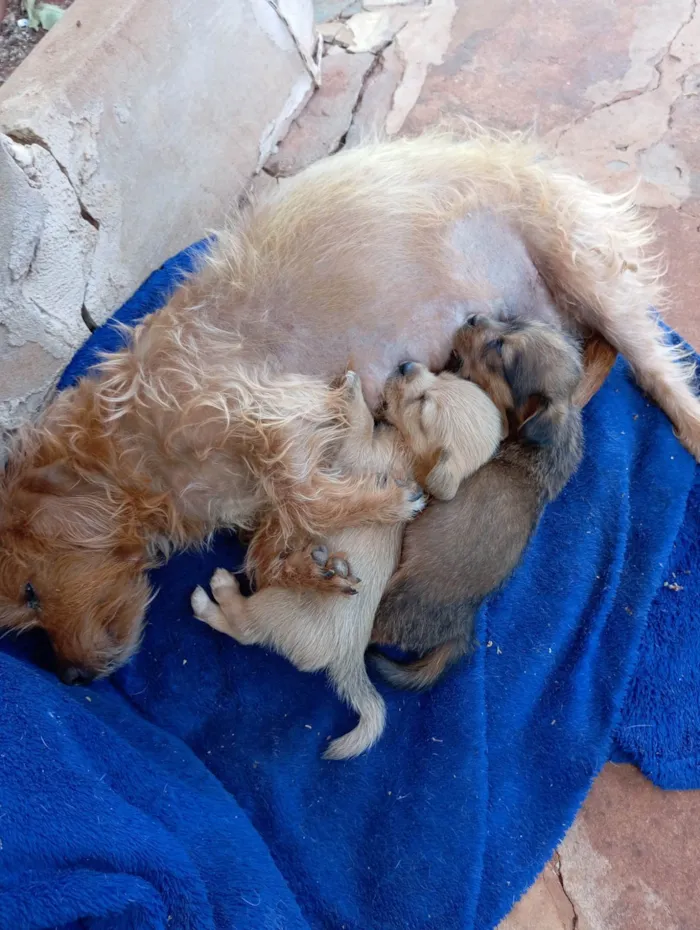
x,y
315,567
414,498
404,499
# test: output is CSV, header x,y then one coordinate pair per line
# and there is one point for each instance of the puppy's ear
x,y
540,428
443,479
518,372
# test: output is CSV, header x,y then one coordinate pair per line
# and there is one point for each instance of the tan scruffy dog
x,y
444,428
218,413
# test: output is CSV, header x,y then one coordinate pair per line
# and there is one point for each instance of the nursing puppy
x,y
447,428
458,553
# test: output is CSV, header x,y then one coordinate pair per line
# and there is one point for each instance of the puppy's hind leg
x,y
228,612
353,685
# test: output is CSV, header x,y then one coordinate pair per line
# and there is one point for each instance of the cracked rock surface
x,y
122,140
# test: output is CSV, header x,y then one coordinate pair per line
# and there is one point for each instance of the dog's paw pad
x,y
332,571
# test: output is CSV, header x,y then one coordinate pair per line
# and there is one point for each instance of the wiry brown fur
x,y
371,257
434,417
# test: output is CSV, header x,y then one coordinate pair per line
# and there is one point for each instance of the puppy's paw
x,y
201,603
223,583
315,567
224,612
207,611
401,500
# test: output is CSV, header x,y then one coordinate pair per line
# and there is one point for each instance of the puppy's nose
x,y
76,675
407,368
455,362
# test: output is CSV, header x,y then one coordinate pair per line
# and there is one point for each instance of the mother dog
x,y
218,413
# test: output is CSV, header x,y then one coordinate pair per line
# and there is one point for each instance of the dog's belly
x,y
390,301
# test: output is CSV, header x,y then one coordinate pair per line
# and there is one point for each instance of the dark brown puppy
x,y
459,551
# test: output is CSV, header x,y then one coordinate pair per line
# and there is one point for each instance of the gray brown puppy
x,y
457,553
446,428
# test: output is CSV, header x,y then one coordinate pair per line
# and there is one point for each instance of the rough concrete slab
x,y
130,137
320,130
376,99
373,30
46,249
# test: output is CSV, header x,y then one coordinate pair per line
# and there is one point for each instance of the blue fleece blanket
x,y
188,791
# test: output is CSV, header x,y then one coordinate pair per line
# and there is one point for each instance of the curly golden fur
x,y
219,413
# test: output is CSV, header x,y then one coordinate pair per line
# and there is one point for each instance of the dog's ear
x,y
541,421
520,371
443,479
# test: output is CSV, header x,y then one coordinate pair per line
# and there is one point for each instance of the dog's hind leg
x,y
662,370
593,250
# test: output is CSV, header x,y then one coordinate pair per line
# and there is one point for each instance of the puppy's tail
x,y
354,687
424,672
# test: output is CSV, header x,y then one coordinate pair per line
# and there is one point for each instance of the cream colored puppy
x,y
444,428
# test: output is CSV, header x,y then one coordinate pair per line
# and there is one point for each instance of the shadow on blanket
x,y
188,791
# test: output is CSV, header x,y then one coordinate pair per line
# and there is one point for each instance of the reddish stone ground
x,y
614,87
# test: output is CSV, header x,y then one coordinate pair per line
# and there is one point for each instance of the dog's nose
x,y
407,368
76,675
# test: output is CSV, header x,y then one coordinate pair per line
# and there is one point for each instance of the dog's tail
x,y
423,672
354,687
